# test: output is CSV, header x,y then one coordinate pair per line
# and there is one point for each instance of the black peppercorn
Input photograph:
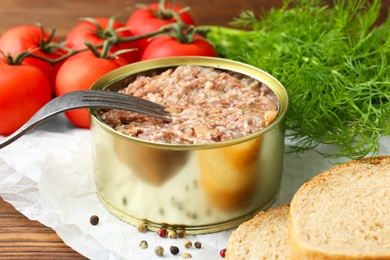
x,y
174,250
94,220
198,244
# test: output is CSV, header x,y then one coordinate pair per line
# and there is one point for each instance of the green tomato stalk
x,y
179,30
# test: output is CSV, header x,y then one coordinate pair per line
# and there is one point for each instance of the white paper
x,y
47,176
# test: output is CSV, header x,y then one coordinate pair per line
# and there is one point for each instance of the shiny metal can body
x,y
197,188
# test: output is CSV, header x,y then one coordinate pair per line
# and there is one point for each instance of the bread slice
x,y
343,213
265,236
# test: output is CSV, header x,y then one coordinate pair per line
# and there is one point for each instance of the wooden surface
x,y
21,238
63,15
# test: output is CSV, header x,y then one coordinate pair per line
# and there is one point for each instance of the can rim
x,y
217,63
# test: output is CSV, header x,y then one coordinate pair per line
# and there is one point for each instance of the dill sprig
x,y
333,61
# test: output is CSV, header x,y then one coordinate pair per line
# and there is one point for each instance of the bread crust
x,y
301,250
241,244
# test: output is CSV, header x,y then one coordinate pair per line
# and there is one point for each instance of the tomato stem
x,y
46,45
161,31
163,12
180,31
7,58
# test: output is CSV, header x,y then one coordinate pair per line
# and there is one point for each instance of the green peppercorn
x,y
143,244
142,227
159,250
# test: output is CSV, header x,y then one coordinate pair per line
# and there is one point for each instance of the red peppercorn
x,y
222,253
162,232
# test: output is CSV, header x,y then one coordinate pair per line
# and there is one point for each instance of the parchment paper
x,y
47,176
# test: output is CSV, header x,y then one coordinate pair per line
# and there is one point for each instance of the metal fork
x,y
89,99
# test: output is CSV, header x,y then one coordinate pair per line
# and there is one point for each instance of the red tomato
x,y
29,37
166,46
79,72
24,89
148,19
87,31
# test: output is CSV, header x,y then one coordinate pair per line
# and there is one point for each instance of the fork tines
x,y
98,95
123,101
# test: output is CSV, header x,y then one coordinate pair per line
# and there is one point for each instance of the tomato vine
x,y
178,30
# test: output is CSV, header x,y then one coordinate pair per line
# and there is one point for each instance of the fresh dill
x,y
334,62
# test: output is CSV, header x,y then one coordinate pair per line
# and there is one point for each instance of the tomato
x,y
24,89
166,46
150,19
29,37
79,72
88,31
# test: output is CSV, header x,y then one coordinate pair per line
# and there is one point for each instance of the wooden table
x,y
63,15
25,239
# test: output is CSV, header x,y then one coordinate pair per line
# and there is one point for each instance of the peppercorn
x,y
143,244
174,250
162,232
187,255
142,227
222,253
187,244
159,250
180,233
172,234
198,244
94,220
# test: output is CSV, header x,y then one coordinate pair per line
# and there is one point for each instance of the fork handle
x,y
50,109
38,118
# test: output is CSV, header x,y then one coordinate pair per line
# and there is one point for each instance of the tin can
x,y
200,188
